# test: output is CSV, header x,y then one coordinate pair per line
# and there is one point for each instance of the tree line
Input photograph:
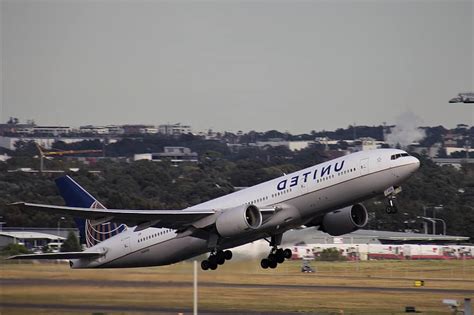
x,y
162,185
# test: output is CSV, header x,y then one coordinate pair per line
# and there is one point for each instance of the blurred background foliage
x,y
162,185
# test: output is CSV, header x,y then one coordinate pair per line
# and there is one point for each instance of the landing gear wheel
x,y
279,256
391,209
394,209
220,258
287,253
205,265
212,266
228,255
272,257
273,264
212,259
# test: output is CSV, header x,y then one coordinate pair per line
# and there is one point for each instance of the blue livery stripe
x,y
76,196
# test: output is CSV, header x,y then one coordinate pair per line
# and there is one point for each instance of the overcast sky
x,y
236,65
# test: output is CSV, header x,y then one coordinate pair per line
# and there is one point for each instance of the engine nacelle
x,y
345,220
238,220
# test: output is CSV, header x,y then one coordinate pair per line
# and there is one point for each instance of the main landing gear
x,y
276,256
216,259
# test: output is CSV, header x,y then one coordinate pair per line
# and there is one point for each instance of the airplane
x,y
326,195
467,97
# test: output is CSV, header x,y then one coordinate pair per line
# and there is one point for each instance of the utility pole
x,y
195,306
425,224
444,224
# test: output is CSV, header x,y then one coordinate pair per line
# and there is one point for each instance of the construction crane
x,y
43,153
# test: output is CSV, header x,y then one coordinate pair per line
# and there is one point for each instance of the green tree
x,y
71,244
14,249
331,254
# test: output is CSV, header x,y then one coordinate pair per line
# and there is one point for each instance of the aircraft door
x,y
364,166
126,244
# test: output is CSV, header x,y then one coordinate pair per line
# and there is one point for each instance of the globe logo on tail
x,y
96,233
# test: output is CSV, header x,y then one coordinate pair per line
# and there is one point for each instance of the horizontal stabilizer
x,y
66,255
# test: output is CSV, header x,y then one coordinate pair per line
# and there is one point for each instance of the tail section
x,y
76,196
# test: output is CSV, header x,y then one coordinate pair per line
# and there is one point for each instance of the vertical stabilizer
x,y
76,196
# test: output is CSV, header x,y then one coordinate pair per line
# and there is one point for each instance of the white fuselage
x,y
305,195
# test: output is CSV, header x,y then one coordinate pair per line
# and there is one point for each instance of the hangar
x,y
28,238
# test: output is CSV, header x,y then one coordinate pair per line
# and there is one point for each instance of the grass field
x,y
232,287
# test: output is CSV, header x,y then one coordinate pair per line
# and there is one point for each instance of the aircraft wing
x,y
173,219
66,255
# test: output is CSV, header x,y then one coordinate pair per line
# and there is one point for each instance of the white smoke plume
x,y
257,249
406,130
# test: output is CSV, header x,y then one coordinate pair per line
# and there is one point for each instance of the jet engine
x,y
345,220
238,220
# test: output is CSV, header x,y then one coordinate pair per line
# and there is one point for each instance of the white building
x,y
28,238
115,130
148,130
50,130
174,129
450,150
98,130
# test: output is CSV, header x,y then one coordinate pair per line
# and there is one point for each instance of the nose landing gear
x,y
391,205
216,259
392,199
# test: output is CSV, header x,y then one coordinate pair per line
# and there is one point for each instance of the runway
x,y
207,284
135,309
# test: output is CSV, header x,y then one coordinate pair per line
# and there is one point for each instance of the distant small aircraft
x,y
325,195
463,98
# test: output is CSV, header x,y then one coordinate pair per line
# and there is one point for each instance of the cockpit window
x,y
396,156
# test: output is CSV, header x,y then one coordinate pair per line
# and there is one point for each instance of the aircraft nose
x,y
414,164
